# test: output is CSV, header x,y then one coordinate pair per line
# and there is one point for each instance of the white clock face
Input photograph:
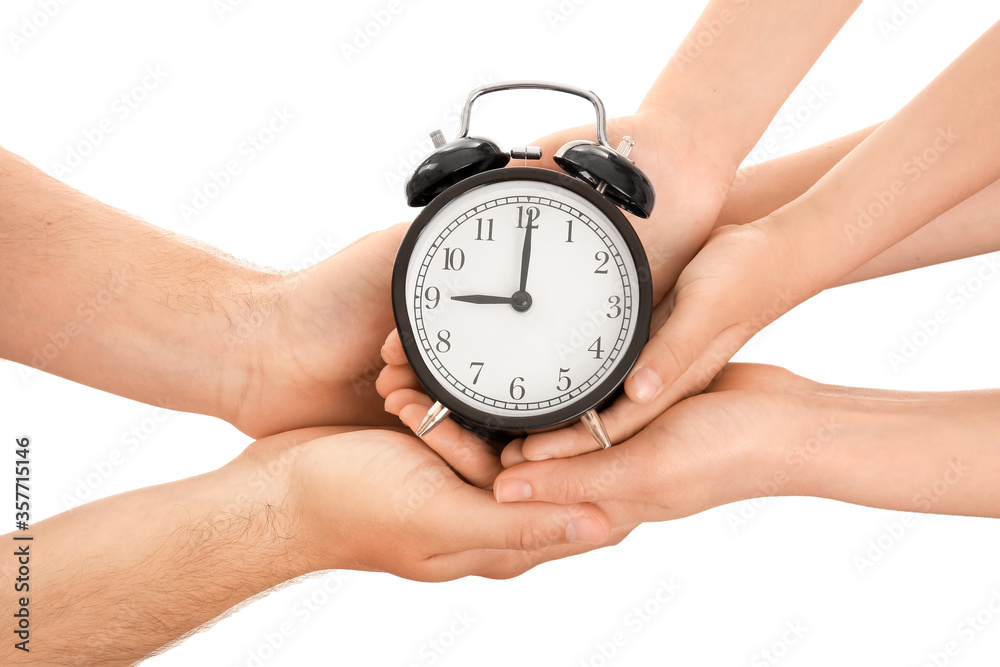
x,y
509,349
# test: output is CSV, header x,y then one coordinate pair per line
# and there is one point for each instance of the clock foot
x,y
437,414
594,424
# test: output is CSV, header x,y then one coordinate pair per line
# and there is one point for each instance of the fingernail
x,y
512,490
584,530
647,384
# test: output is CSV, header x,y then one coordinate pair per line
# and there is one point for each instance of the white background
x,y
324,181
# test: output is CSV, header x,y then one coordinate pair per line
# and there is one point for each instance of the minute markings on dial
x,y
455,376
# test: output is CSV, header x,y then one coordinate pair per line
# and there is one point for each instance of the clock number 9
x,y
432,294
517,390
444,341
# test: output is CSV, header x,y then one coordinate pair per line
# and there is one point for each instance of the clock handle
x,y
593,422
602,131
437,414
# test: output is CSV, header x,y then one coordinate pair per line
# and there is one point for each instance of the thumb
x,y
692,327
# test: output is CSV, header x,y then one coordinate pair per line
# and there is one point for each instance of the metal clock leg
x,y
594,424
437,414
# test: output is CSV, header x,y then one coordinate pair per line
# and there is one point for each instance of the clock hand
x,y
482,298
526,256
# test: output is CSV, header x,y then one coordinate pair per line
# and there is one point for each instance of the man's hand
x,y
313,352
156,563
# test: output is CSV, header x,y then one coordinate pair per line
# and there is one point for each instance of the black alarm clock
x,y
522,295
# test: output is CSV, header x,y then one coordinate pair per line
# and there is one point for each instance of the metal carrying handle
x,y
601,123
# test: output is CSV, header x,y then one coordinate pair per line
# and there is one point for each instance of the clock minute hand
x,y
526,256
482,298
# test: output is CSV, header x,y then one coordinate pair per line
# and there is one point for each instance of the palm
x,y
690,189
317,355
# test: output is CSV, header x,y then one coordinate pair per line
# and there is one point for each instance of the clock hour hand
x,y
482,298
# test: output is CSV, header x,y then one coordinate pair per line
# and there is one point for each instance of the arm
x,y
102,298
761,431
119,578
741,60
967,229
935,153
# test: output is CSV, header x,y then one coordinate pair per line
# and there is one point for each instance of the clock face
x,y
524,303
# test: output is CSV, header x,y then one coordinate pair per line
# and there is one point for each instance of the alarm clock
x,y
522,295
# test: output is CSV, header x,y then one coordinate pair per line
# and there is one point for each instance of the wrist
x,y
903,451
258,488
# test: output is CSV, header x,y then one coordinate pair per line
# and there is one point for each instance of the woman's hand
x,y
708,450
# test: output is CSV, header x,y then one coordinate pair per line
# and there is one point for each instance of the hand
x,y
715,448
314,355
381,501
744,278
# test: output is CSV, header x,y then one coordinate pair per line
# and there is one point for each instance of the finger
x,y
393,378
392,350
399,399
471,458
477,521
507,563
511,454
559,444
594,477
672,350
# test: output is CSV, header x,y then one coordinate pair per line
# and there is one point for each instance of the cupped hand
x,y
730,443
745,277
380,500
313,346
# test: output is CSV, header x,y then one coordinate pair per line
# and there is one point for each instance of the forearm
x,y
95,295
737,66
933,154
119,578
967,229
908,451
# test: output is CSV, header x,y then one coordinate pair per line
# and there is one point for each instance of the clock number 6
x,y
517,390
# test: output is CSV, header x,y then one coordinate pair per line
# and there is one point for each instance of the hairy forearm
x,y
915,452
967,229
741,61
119,578
95,295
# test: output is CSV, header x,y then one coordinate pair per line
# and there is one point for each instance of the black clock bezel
x,y
596,397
